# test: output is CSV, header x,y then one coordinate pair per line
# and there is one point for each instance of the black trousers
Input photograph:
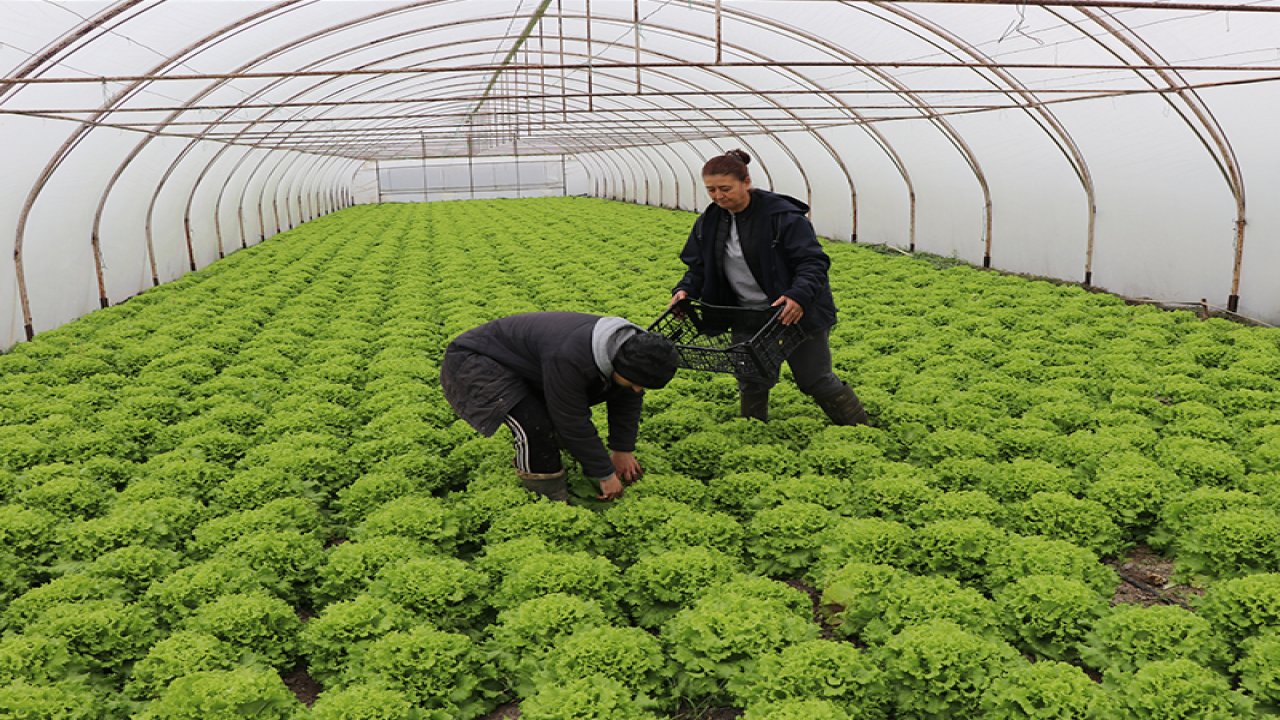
x,y
537,448
810,364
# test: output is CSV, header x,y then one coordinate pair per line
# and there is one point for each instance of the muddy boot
x,y
549,485
755,404
843,407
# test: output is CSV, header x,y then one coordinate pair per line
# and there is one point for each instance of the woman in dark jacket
x,y
756,249
540,373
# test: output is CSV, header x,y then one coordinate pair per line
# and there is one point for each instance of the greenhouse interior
x,y
639,359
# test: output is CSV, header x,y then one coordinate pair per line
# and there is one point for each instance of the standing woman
x,y
753,248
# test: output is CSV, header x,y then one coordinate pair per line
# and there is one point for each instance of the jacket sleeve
x,y
804,258
691,255
624,420
570,411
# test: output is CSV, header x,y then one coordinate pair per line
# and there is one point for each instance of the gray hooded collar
x,y
606,337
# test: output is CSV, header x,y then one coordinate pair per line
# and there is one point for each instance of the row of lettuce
x,y
252,470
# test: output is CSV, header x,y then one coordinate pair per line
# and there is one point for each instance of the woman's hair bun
x,y
739,155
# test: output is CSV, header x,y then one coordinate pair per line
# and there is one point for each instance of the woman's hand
x,y
626,466
610,488
677,297
791,310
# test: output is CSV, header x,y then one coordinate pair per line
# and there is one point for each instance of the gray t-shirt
x,y
738,272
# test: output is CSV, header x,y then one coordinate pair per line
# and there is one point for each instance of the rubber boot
x,y
843,407
549,485
755,404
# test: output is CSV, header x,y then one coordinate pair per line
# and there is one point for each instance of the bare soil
x,y
1145,580
302,684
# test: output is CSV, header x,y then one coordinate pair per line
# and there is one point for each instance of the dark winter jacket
x,y
780,247
565,359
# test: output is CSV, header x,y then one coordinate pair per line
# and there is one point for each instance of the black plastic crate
x,y
704,336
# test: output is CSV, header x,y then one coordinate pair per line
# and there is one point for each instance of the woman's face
x,y
728,191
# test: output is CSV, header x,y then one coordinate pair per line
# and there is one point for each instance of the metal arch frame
x,y
55,162
35,67
347,88
1226,161
177,159
208,41
252,124
928,113
1064,141
765,131
485,19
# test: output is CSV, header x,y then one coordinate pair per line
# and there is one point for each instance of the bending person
x,y
540,373
753,248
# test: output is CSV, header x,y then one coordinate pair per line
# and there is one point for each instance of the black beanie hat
x,y
646,359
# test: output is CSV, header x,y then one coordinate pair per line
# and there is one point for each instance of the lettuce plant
x,y
135,566
1065,517
31,535
68,496
343,630
101,634
523,635
68,700
1021,478
564,527
657,586
256,623
798,709
1203,462
853,595
699,454
365,702
740,494
869,540
892,491
673,486
840,459
1181,514
427,520
445,591
954,548
722,637
1176,690
443,673
831,671
283,515
593,698
182,653
1021,556
938,669
783,540
73,588
551,572
1241,608
347,569
1230,543
225,695
159,523
915,599
1048,615
628,655
1259,670
177,596
1130,636
1044,690
38,659
283,561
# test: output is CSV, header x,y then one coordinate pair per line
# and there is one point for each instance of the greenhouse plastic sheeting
x,y
1126,145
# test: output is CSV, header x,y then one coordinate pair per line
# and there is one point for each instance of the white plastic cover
x,y
1130,145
